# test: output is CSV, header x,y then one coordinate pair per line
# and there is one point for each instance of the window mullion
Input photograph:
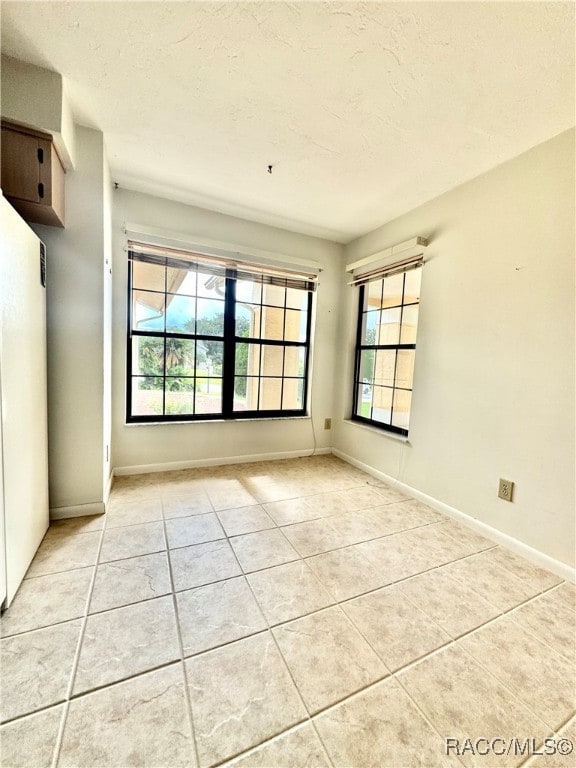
x,y
229,344
357,383
165,342
307,353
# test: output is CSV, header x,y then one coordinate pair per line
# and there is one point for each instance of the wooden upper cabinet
x,y
32,175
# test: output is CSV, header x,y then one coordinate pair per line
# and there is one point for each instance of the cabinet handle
x,y
40,155
41,190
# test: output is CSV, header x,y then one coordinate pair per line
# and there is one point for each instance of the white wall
x,y
75,305
138,445
494,378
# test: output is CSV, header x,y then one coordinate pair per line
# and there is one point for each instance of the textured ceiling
x,y
364,110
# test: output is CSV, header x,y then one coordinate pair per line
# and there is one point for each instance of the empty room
x,y
287,367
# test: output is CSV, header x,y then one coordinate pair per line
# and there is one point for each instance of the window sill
x,y
214,421
377,431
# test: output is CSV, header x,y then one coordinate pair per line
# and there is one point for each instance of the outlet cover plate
x,y
505,489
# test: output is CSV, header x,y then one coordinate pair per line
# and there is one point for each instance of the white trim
x,y
409,248
306,417
162,237
109,487
561,569
77,510
141,469
377,431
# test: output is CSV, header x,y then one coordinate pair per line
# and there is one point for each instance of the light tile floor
x,y
290,613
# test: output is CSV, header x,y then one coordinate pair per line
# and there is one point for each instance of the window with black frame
x,y
386,348
212,339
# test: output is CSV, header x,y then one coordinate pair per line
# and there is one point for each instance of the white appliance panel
x,y
23,394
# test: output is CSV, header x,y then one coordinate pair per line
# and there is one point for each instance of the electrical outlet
x,y
327,423
505,489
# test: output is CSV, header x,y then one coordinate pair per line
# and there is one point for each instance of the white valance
x,y
390,261
219,252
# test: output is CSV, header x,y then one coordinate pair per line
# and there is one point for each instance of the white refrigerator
x,y
23,412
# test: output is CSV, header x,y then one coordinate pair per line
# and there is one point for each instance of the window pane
x,y
382,404
293,395
369,323
384,367
147,356
248,291
248,320
401,413
208,395
296,299
148,311
179,384
180,401
180,314
295,328
272,360
373,295
148,276
409,324
270,394
247,359
210,286
246,393
412,286
274,295
147,396
240,393
272,323
393,290
181,281
363,400
210,317
294,361
209,357
180,358
367,359
389,326
405,368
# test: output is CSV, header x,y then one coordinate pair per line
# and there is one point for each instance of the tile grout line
x,y
451,642
423,714
392,674
409,665
262,503
122,680
271,634
95,567
531,759
516,696
187,697
287,667
387,585
272,740
70,688
267,630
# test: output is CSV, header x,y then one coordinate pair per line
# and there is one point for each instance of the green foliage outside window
x,y
180,360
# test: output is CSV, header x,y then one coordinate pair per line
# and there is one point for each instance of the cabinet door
x,y
20,165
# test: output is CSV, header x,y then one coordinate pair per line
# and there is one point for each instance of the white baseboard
x,y
561,569
168,466
77,510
